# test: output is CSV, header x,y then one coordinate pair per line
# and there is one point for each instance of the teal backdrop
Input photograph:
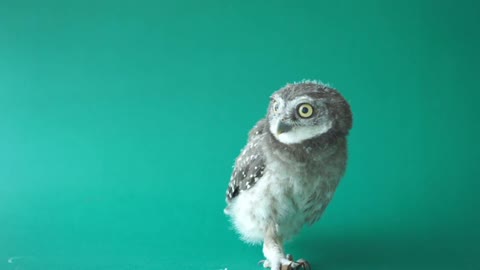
x,y
120,122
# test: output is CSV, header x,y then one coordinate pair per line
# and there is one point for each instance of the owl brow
x,y
301,100
316,95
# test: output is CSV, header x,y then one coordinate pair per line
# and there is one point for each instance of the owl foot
x,y
287,264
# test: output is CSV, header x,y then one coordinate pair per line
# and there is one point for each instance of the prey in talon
x,y
288,172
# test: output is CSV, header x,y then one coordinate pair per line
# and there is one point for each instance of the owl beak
x,y
282,128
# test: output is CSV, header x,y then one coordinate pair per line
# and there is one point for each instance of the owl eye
x,y
305,110
275,106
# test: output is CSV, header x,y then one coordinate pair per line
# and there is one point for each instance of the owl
x,y
287,173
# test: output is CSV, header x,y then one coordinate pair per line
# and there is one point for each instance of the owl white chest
x,y
286,196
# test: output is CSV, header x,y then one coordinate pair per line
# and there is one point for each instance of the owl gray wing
x,y
250,165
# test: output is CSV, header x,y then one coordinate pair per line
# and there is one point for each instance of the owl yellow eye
x,y
305,110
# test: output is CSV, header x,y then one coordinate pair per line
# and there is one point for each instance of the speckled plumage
x,y
288,172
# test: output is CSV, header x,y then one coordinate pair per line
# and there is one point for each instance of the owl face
x,y
303,111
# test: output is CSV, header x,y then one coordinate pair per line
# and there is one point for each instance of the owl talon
x,y
288,264
303,264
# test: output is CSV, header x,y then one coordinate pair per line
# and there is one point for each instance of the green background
x,y
120,122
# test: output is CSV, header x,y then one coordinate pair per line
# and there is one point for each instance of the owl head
x,y
303,111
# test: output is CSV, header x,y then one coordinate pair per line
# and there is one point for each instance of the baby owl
x,y
288,172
